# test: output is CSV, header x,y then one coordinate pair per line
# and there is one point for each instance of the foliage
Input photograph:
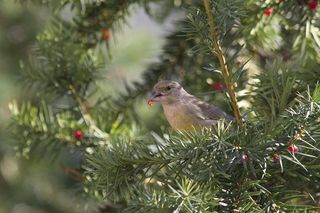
x,y
222,169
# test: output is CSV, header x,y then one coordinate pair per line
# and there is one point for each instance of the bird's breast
x,y
179,117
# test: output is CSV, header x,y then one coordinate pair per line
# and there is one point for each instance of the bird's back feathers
x,y
208,111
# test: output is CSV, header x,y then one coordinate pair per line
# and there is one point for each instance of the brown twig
x,y
217,50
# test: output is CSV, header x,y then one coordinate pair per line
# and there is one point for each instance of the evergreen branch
x,y
43,129
275,91
206,159
85,112
217,51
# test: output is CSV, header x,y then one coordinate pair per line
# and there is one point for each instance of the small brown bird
x,y
184,111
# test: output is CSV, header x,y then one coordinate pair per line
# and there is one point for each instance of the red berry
x,y
245,157
149,102
312,5
276,157
293,149
106,34
218,86
268,12
78,135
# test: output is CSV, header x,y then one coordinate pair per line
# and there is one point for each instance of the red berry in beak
x,y
149,102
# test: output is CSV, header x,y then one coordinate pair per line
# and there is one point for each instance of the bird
x,y
184,111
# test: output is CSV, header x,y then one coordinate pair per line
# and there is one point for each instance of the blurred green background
x,y
33,186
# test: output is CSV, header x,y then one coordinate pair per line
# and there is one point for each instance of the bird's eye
x,y
168,88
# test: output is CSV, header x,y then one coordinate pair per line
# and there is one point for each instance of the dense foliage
x,y
270,163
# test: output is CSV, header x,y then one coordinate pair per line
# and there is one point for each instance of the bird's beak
x,y
155,96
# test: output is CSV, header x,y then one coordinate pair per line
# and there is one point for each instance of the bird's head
x,y
166,92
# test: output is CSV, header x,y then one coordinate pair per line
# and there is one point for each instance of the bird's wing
x,y
207,111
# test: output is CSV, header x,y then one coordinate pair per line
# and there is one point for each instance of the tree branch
x,y
217,51
85,113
